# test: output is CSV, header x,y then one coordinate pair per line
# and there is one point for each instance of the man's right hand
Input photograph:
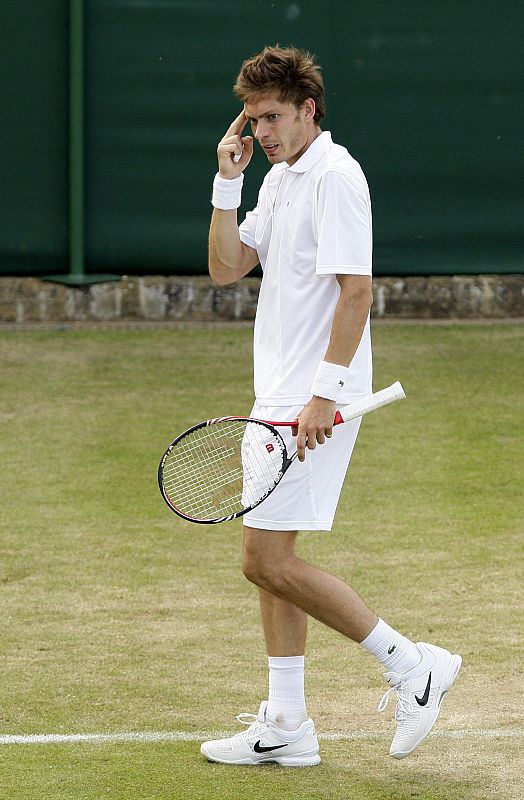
x,y
233,144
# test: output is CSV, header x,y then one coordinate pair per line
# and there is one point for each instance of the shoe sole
x,y
447,682
284,761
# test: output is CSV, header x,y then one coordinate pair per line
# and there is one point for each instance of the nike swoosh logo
x,y
258,748
422,701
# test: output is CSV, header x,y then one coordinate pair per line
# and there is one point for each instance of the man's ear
x,y
310,108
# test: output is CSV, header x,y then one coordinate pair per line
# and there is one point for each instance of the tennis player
x,y
311,233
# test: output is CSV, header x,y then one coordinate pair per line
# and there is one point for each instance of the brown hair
x,y
290,73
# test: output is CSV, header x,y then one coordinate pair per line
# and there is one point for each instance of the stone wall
x,y
155,298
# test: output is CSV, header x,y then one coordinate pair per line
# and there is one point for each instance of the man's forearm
x,y
225,247
229,258
349,319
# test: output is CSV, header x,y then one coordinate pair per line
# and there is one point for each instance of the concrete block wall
x,y
186,298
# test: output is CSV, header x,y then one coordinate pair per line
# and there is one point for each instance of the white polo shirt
x,y
312,222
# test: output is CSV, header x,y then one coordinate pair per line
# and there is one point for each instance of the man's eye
x,y
272,117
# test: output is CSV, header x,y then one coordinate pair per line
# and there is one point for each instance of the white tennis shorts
x,y
306,498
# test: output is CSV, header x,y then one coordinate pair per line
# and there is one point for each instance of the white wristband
x,y
329,380
227,193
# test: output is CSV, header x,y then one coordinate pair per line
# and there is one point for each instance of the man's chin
x,y
275,158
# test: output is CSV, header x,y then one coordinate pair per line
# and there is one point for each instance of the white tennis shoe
x,y
264,743
420,693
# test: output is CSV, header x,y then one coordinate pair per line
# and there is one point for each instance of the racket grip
x,y
370,403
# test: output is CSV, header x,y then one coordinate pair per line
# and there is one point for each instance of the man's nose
x,y
261,131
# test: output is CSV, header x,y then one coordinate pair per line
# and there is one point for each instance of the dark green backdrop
x,y
429,97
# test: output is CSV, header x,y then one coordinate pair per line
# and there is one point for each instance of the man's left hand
x,y
315,424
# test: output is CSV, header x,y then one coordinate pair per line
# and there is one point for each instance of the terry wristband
x,y
329,380
227,193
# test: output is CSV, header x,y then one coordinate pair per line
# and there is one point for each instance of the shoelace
x,y
256,726
247,719
404,703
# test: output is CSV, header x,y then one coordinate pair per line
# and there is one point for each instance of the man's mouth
x,y
270,148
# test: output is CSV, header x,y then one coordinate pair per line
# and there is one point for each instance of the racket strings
x,y
223,468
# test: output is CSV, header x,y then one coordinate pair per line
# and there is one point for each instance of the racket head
x,y
222,468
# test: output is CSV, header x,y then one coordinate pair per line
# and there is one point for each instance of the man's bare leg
x,y
289,590
285,625
271,563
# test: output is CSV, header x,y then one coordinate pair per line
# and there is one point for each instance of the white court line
x,y
198,736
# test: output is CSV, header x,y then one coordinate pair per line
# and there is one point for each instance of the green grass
x,y
118,616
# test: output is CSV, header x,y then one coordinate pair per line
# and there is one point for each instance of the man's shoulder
x,y
339,159
338,165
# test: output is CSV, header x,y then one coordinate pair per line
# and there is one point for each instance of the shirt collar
x,y
317,148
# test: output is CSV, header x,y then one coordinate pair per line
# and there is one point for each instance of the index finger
x,y
238,125
301,446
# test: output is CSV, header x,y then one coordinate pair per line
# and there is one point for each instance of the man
x,y
311,233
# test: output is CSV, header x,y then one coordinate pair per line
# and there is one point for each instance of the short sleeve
x,y
344,227
248,227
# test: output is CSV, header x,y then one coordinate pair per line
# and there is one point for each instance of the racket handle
x,y
370,403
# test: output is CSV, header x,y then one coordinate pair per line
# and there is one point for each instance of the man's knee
x,y
257,569
266,571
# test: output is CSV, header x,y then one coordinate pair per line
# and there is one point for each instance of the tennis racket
x,y
222,468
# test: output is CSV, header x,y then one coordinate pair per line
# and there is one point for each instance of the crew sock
x,y
393,650
286,706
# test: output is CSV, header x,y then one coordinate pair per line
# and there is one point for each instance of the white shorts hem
x,y
290,525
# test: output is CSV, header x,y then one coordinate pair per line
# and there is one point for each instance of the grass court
x,y
120,618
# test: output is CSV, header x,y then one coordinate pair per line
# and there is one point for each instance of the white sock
x,y
397,653
286,706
